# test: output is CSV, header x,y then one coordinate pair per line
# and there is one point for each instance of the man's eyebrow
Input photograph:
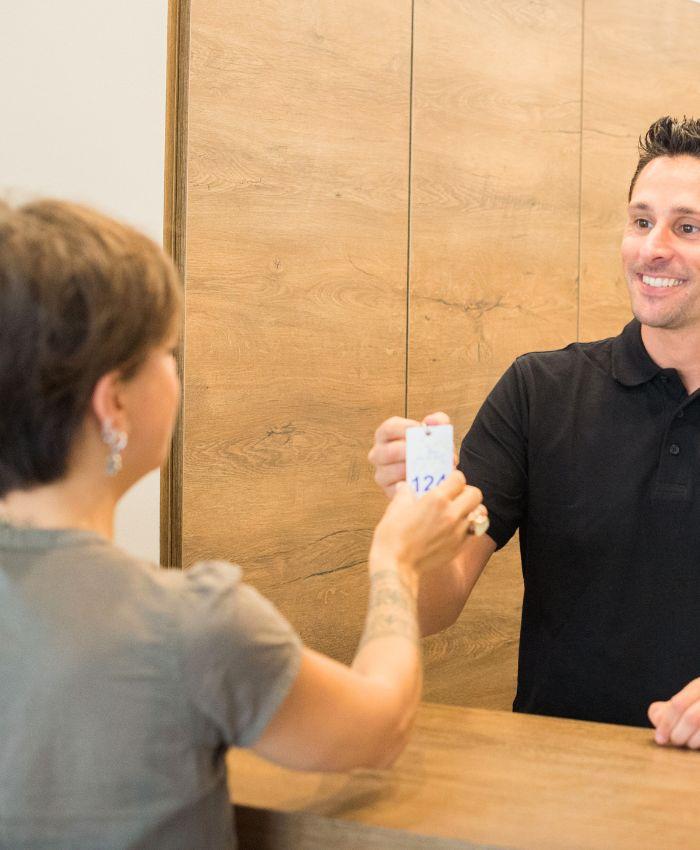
x,y
640,206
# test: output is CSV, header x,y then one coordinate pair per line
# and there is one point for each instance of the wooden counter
x,y
475,778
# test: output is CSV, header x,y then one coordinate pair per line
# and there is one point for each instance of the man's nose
x,y
658,244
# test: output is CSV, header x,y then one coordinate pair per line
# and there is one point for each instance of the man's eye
x,y
643,223
689,228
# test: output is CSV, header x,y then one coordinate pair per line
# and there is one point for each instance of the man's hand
x,y
677,720
388,454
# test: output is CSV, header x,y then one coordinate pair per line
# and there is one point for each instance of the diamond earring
x,y
115,441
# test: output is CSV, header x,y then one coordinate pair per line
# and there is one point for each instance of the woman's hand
x,y
421,534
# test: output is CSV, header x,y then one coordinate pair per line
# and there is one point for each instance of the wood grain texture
x,y
640,63
263,829
489,778
296,271
494,254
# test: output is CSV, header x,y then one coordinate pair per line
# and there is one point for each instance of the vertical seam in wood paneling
x,y
579,275
408,219
174,236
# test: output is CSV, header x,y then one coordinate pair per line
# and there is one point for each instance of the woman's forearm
x,y
389,652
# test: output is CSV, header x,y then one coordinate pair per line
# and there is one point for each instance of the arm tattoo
x,y
392,609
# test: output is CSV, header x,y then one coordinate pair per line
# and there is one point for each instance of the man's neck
x,y
675,348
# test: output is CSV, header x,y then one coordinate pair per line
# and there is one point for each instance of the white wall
x,y
82,116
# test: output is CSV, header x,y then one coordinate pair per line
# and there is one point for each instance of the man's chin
x,y
655,319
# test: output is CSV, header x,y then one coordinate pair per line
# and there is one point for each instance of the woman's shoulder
x,y
182,594
202,578
206,602
203,584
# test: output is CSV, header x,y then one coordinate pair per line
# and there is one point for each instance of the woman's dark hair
x,y
667,137
80,295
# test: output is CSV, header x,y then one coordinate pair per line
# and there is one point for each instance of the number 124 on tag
x,y
429,456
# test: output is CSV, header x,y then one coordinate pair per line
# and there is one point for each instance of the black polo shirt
x,y
593,452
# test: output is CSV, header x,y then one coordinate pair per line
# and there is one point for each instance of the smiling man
x,y
592,452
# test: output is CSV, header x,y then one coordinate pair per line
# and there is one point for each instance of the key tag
x,y
429,456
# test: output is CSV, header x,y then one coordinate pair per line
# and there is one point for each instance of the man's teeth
x,y
661,281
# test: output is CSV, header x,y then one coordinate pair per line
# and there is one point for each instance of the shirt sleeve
x,y
240,655
493,455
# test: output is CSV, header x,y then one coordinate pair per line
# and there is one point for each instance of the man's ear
x,y
108,401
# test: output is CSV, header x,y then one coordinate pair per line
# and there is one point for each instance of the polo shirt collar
x,y
631,363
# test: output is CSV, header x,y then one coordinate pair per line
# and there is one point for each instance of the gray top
x,y
122,686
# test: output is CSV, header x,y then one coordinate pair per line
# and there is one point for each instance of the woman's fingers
x,y
453,486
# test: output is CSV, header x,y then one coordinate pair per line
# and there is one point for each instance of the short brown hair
x,y
667,137
80,295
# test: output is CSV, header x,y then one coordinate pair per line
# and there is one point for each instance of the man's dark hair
x,y
80,295
667,137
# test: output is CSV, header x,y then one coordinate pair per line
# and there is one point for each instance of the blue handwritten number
x,y
428,481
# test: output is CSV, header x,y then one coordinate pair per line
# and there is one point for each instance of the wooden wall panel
x,y
494,255
296,278
302,208
641,62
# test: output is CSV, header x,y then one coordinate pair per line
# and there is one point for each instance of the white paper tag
x,y
429,456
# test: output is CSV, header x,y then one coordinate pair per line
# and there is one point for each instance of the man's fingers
x,y
389,476
438,418
382,454
674,724
666,717
654,712
388,454
686,696
669,717
687,726
694,742
661,714
393,429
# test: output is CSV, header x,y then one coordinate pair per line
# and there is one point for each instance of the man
x,y
593,453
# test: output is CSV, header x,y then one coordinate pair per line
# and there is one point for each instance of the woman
x,y
122,684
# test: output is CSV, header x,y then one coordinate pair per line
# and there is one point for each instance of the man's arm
x,y
443,593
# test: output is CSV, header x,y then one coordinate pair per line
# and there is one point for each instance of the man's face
x,y
661,244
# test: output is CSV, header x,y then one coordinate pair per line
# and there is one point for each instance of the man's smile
x,y
660,281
